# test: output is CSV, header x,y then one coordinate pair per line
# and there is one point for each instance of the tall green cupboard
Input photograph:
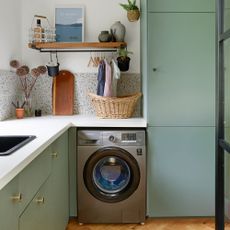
x,y
181,171
180,102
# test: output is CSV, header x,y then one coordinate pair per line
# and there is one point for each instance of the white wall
x,y
99,15
10,39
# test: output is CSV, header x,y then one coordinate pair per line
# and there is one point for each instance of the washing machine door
x,y
111,174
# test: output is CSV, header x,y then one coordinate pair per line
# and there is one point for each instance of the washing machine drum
x,y
111,174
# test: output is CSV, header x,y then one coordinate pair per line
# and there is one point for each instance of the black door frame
x,y
222,146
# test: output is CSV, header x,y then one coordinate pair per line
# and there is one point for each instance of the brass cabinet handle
x,y
54,154
17,198
40,200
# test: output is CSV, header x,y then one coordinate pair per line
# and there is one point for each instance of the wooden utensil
x,y
63,93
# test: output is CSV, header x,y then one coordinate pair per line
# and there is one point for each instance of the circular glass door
x,y
111,174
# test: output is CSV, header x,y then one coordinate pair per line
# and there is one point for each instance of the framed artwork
x,y
69,23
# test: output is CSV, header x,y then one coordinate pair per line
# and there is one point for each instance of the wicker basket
x,y
114,107
133,15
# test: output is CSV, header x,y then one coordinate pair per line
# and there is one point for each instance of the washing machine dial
x,y
112,138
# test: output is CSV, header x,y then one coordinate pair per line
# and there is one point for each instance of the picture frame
x,y
69,23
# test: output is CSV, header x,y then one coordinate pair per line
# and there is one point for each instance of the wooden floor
x,y
152,224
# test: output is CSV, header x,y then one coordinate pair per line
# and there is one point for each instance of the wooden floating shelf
x,y
74,46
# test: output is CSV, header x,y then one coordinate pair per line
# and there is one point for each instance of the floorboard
x,y
153,224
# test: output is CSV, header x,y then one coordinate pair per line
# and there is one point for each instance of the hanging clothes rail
x,y
77,47
77,50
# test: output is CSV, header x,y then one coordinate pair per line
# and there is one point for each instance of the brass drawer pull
x,y
54,154
40,200
17,198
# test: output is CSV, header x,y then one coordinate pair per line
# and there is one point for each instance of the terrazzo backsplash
x,y
9,91
42,92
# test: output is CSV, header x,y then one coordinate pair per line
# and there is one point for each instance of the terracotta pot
x,y
20,113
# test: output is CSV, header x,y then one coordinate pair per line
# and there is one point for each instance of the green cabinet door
x,y
34,175
10,199
36,214
181,69
59,182
181,5
181,171
49,209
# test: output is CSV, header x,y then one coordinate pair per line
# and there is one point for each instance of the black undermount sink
x,y
9,144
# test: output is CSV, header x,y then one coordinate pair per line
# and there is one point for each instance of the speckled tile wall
x,y
9,91
85,83
42,92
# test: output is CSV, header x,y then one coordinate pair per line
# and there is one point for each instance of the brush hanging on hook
x,y
53,66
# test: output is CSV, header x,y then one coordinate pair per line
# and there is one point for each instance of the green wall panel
x,y
181,171
181,69
181,5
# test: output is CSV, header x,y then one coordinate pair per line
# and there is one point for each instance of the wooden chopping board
x,y
63,93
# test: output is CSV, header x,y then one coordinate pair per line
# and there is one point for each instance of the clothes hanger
x,y
91,61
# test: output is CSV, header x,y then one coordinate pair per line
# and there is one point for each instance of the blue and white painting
x,y
69,24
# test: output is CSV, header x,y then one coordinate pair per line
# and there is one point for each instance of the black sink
x,y
9,144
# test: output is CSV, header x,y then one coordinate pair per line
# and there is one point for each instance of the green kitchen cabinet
x,y
179,103
10,199
181,171
49,209
181,5
17,194
37,214
33,176
59,184
226,15
38,197
181,69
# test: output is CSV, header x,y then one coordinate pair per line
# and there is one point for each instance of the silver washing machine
x,y
111,178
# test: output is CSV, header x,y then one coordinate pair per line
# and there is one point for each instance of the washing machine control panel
x,y
129,137
124,138
112,138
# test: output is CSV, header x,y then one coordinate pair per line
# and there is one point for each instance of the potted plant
x,y
133,12
123,59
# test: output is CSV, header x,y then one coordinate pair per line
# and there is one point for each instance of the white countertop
x,y
47,129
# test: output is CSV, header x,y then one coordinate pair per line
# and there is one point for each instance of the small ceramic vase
x,y
105,36
118,31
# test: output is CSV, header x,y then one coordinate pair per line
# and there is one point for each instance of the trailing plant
x,y
130,6
123,59
123,53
